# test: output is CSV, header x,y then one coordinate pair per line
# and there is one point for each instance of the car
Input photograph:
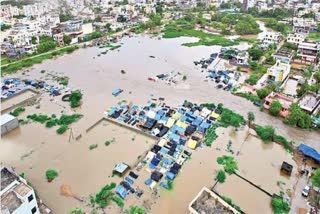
x,y
305,191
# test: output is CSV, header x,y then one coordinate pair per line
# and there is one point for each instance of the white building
x,y
8,11
296,38
8,123
17,197
271,38
37,9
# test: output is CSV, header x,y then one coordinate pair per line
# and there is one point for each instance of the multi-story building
x,y
308,52
8,11
271,38
37,9
309,102
296,38
304,25
17,197
278,72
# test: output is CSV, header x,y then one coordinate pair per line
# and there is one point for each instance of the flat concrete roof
x,y
5,118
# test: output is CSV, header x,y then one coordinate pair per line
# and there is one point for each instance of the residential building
x,y
309,102
308,52
37,9
296,38
285,101
7,11
271,38
304,25
209,202
278,72
17,197
283,55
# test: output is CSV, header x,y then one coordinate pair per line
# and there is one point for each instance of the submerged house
x,y
285,101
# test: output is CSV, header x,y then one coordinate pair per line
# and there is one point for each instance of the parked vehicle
x,y
305,191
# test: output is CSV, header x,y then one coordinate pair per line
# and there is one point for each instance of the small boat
x,y
152,56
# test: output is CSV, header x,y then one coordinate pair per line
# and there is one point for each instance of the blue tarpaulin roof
x,y
117,91
121,191
170,176
148,181
309,152
155,161
179,129
167,161
174,137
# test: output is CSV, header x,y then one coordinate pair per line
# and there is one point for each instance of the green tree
x,y
46,44
275,108
316,76
255,53
135,210
267,133
65,17
279,206
66,39
251,117
221,176
34,40
77,211
263,93
315,180
297,117
75,98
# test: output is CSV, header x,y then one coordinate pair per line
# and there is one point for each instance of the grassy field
x,y
27,62
204,38
314,36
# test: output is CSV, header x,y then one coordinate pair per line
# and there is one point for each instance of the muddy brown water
x,y
33,148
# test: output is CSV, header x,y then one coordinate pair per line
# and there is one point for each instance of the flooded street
x,y
33,149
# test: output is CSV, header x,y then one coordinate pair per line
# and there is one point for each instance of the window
x,y
34,210
30,198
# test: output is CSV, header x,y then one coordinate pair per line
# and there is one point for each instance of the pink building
x,y
283,99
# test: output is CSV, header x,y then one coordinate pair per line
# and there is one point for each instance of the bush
x,y
210,106
170,185
107,143
230,165
51,174
263,93
62,129
77,211
279,206
93,146
275,108
17,111
266,133
118,201
286,144
221,176
230,118
75,98
105,195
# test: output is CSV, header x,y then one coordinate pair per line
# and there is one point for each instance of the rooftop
x,y
7,177
22,189
309,101
208,202
4,119
10,202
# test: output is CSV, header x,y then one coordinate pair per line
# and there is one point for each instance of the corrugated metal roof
x,y
5,118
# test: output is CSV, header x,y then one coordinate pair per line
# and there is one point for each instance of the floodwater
x,y
32,148
86,171
98,76
7,103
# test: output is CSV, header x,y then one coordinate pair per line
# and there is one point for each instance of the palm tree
x,y
251,118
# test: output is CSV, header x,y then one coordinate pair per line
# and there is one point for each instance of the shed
x,y
8,123
286,168
309,152
156,176
120,168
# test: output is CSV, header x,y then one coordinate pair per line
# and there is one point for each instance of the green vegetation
x,y
279,206
64,121
286,144
103,198
184,78
27,62
5,27
277,26
289,46
297,117
278,13
255,53
258,72
51,174
66,39
230,202
77,211
263,93
135,210
266,133
210,106
107,143
93,146
154,20
306,87
170,185
204,38
241,23
65,17
118,201
91,36
251,97
230,165
275,108
62,129
75,99
315,179
46,44
110,46
314,36
230,118
221,176
211,135
17,111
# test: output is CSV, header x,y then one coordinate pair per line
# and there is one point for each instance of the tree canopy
x,y
298,117
275,108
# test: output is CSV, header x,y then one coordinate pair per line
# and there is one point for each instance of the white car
x,y
305,191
